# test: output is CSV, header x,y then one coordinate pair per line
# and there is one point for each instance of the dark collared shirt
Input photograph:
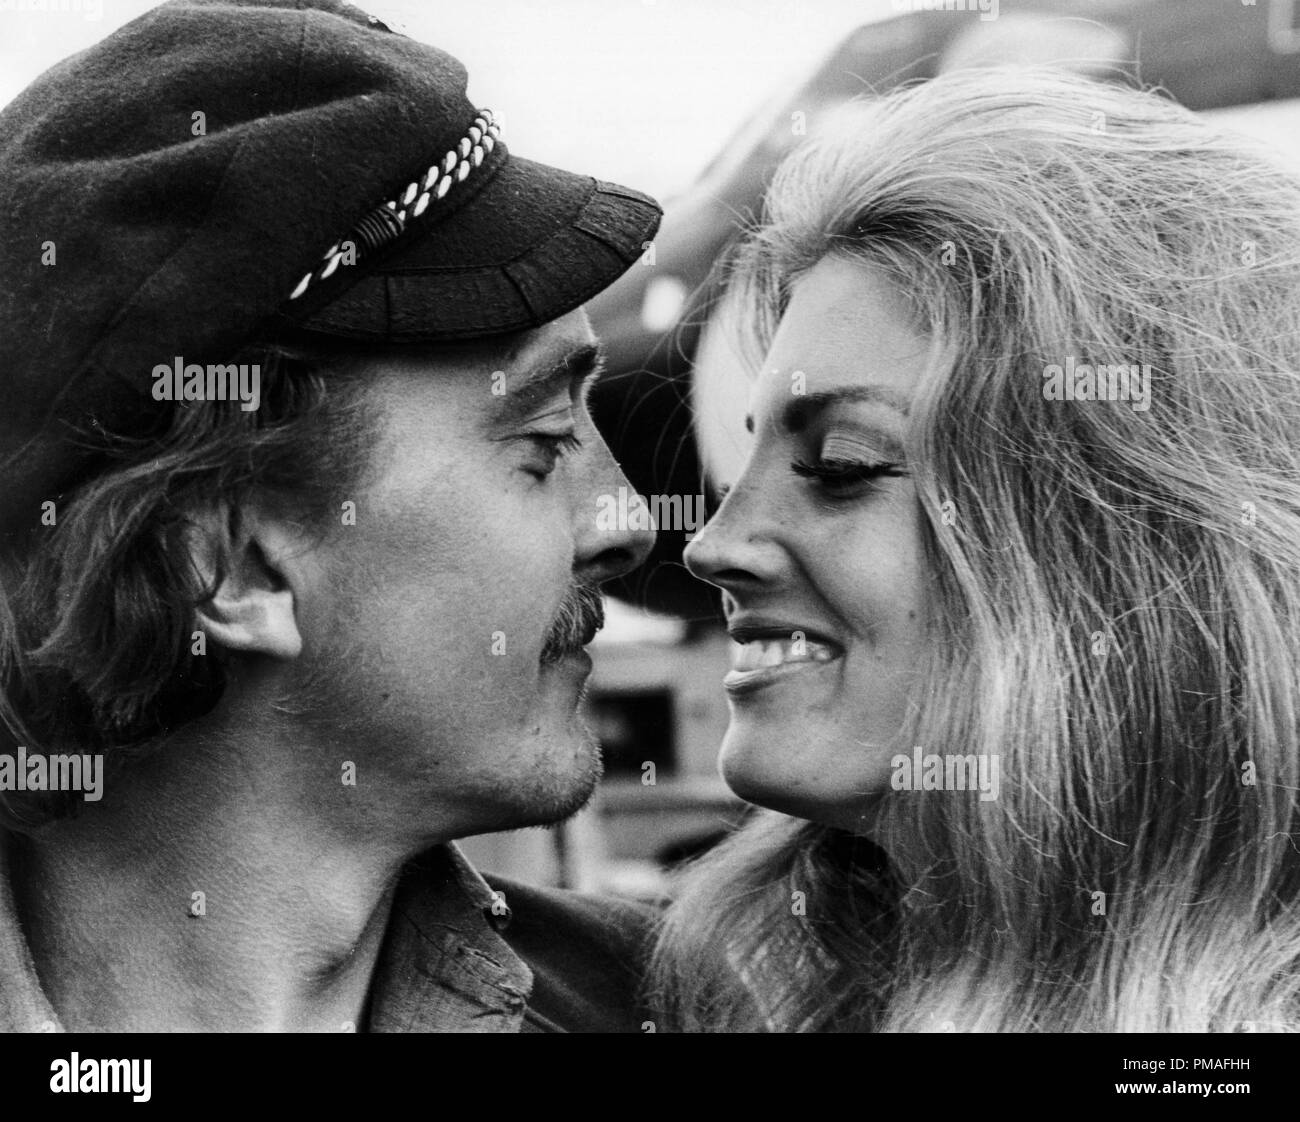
x,y
465,955
444,966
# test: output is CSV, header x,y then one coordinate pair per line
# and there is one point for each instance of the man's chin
x,y
562,812
558,791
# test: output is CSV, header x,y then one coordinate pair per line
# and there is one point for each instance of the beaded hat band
x,y
383,225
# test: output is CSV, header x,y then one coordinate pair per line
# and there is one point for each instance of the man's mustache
x,y
578,619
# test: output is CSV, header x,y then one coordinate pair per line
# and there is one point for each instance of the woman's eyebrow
x,y
803,408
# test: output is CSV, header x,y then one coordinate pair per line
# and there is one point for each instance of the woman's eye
x,y
847,464
551,447
845,478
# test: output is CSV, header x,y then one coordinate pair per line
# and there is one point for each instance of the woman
x,y
1014,569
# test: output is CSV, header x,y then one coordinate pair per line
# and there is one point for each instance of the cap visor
x,y
532,243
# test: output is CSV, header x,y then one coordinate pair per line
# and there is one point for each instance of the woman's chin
x,y
767,773
768,770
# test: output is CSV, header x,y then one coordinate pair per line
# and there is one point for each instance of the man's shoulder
x,y
587,954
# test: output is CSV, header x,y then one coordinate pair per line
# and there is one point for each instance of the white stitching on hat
x,y
371,233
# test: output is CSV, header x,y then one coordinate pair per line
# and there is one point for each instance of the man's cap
x,y
218,169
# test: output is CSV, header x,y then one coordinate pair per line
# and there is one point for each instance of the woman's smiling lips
x,y
767,651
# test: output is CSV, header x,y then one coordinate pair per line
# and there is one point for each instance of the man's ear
x,y
254,606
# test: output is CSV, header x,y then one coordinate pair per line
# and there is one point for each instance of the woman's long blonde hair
x,y
1116,605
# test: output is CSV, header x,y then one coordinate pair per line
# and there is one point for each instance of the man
x,y
299,537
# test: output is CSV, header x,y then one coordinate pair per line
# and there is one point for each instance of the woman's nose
x,y
737,549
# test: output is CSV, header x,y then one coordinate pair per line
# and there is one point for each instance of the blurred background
x,y
695,101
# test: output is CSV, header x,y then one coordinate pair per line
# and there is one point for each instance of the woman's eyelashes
x,y
847,465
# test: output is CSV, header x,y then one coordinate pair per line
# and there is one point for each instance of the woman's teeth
x,y
763,653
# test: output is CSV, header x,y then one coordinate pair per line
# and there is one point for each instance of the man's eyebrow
x,y
552,378
802,408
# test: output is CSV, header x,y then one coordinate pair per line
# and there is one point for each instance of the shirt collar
x,y
444,966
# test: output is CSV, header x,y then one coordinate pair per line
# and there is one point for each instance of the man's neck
x,y
218,893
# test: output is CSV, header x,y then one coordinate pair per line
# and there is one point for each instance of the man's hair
x,y
97,612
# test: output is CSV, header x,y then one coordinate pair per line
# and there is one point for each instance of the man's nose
x,y
612,537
